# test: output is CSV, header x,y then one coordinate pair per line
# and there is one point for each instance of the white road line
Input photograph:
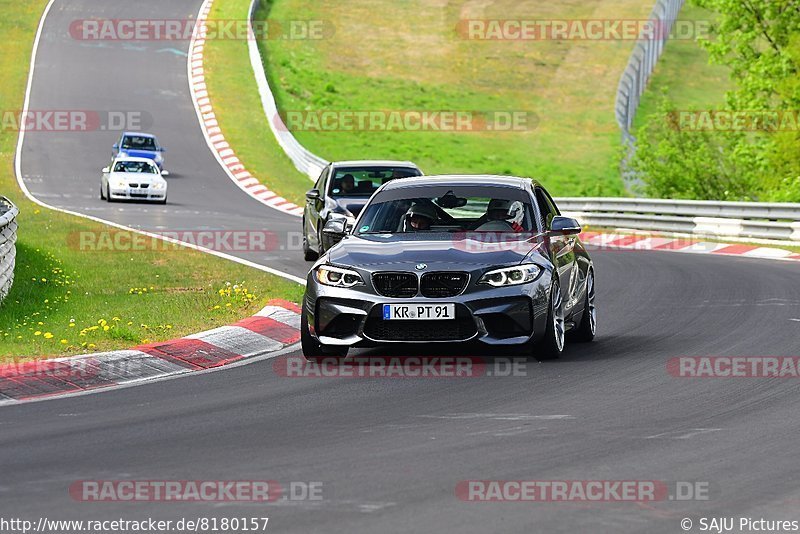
x,y
498,416
683,434
29,195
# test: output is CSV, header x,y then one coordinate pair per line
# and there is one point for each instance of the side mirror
x,y
333,232
164,173
564,226
162,149
115,146
313,194
106,170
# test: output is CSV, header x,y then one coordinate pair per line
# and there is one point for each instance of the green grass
x,y
390,55
116,299
237,105
685,76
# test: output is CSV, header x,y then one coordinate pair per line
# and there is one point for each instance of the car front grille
x,y
461,328
395,285
142,186
443,284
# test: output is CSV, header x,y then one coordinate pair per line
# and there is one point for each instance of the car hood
x,y
136,177
405,252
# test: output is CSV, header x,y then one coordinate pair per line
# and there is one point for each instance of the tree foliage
x,y
760,41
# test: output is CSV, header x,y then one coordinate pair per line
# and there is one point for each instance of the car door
x,y
314,206
117,146
562,248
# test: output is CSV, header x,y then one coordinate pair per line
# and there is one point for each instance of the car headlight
x,y
118,183
159,185
338,277
511,276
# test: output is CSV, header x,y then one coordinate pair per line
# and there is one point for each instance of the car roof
x,y
462,179
373,163
139,134
131,158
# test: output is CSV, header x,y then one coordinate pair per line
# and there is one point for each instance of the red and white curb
x,y
273,328
221,149
683,244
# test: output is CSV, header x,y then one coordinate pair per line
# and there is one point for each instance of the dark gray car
x,y
341,191
450,259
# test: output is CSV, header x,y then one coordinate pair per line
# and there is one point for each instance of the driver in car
x,y
419,217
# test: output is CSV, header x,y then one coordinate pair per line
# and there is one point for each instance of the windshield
x,y
136,142
448,209
135,166
363,181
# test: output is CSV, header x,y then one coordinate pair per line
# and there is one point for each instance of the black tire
x,y
552,344
313,350
108,193
308,254
588,325
102,195
163,201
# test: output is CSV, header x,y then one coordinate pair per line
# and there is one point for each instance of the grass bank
x,y
66,300
410,56
237,106
684,74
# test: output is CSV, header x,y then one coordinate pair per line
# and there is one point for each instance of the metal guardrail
x,y
741,220
646,53
304,160
8,249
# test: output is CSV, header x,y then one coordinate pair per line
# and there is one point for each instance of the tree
x,y
706,165
757,39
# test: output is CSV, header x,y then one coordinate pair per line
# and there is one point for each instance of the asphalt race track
x,y
390,452
149,80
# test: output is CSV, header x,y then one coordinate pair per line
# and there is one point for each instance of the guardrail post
x,y
8,248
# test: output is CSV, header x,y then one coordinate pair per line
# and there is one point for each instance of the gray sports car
x,y
448,259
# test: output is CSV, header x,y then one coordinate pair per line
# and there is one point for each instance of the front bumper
x,y
126,193
493,316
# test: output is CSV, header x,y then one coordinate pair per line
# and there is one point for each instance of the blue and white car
x,y
139,145
133,179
